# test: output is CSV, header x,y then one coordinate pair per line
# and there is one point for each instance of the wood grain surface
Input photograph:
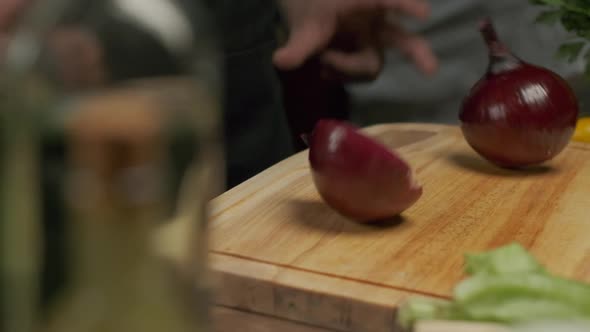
x,y
324,301
446,326
274,232
231,320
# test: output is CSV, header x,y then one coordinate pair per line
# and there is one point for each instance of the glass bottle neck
x,y
109,253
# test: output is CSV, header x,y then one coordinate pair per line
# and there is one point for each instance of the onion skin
x,y
358,177
518,114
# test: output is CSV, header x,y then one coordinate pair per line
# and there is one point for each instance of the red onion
x,y
357,176
518,114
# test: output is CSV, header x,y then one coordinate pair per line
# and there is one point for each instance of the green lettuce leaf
x,y
512,258
505,285
422,308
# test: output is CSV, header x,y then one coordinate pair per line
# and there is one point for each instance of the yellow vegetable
x,y
582,133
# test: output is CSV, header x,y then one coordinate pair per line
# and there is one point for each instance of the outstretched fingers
x,y
364,65
305,40
419,9
413,46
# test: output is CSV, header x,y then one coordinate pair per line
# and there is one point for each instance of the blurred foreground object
x,y
110,115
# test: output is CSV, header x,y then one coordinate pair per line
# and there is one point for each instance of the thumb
x,y
304,41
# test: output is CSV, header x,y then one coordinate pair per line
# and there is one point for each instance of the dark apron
x,y
256,130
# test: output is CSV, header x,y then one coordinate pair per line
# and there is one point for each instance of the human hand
x,y
350,36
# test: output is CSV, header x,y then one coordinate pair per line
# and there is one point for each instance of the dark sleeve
x,y
256,131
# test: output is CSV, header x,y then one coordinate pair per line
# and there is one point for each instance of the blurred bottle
x,y
20,231
111,127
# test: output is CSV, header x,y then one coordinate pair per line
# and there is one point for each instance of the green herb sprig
x,y
574,16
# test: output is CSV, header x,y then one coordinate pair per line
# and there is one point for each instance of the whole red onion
x,y
357,176
518,114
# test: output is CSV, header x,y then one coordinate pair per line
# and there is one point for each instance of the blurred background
x,y
402,94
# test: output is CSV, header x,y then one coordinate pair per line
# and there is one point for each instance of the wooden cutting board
x,y
278,250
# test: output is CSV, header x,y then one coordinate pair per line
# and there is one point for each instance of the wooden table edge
x,y
292,294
